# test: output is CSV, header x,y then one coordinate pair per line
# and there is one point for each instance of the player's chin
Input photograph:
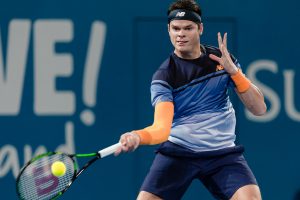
x,y
183,47
183,50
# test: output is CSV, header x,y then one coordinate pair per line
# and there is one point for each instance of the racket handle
x,y
109,150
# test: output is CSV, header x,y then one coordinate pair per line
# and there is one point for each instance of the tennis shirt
x,y
204,118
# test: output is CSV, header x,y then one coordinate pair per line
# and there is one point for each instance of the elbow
x,y
165,132
161,136
261,110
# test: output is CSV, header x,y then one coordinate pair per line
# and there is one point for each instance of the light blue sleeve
x,y
161,91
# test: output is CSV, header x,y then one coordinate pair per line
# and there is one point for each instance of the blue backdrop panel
x,y
75,75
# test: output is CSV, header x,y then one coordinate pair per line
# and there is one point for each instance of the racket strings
x,y
38,182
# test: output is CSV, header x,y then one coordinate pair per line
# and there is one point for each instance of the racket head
x,y
36,181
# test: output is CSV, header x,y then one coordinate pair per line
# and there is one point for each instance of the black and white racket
x,y
37,182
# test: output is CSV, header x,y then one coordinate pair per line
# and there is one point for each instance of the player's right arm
x,y
157,133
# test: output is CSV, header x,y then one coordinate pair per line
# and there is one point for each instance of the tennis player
x,y
194,119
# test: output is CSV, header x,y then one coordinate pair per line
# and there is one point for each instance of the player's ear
x,y
169,28
201,28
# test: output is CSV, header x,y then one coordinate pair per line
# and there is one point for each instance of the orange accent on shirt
x,y
160,130
219,68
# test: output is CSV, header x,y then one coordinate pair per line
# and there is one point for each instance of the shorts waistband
x,y
172,149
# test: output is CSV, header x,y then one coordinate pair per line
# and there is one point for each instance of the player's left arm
x,y
249,94
157,133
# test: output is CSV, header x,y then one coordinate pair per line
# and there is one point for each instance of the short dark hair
x,y
190,5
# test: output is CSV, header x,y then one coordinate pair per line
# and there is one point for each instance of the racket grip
x,y
109,150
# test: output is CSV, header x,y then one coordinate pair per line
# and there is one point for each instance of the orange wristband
x,y
241,81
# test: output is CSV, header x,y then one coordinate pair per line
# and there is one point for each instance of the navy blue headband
x,y
182,14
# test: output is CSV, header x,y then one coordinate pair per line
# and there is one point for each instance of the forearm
x,y
249,94
153,135
253,100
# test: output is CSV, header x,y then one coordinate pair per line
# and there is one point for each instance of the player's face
x,y
185,36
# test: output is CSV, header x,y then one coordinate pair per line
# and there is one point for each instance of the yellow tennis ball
x,y
58,168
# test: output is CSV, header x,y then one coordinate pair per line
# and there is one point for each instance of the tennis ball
x,y
58,168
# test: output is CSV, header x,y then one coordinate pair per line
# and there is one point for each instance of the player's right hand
x,y
129,142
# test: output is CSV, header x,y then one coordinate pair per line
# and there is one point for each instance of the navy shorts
x,y
222,172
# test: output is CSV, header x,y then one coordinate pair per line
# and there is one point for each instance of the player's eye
x,y
176,29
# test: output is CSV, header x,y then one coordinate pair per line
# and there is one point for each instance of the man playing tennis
x,y
194,118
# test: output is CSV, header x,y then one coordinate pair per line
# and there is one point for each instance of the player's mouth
x,y
181,43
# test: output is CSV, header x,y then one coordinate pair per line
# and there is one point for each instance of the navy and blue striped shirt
x,y
204,119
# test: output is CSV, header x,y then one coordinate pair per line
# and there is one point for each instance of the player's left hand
x,y
225,60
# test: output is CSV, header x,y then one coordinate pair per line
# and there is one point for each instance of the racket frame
x,y
98,155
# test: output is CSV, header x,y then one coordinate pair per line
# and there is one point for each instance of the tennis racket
x,y
36,181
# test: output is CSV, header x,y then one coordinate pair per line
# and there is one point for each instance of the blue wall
x,y
75,75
